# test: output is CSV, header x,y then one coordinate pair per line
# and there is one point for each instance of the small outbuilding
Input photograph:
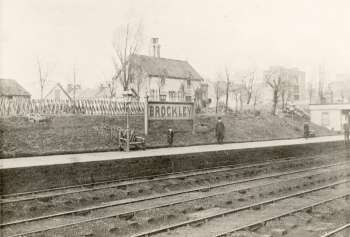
x,y
11,89
332,116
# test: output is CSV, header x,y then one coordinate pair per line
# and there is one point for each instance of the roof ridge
x,y
161,58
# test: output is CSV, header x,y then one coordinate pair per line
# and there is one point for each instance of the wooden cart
x,y
134,141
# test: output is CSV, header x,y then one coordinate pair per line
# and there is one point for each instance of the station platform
x,y
43,172
171,151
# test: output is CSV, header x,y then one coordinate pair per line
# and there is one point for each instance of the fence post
x,y
146,115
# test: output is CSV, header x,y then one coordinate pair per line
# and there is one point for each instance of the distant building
x,y
10,89
332,116
57,92
100,92
295,82
164,79
338,91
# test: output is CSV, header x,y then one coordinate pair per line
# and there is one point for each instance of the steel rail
x,y
158,206
287,213
165,175
228,212
174,203
132,181
336,231
143,179
201,189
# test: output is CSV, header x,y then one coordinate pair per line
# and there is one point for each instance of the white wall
x,y
335,118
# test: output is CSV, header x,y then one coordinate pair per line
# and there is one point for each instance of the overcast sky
x,y
209,34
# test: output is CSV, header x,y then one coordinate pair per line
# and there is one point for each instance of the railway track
x,y
185,191
61,191
66,202
337,231
284,214
308,176
49,195
276,212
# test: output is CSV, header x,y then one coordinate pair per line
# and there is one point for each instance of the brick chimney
x,y
155,47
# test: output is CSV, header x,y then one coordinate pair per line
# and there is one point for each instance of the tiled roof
x,y
170,68
10,87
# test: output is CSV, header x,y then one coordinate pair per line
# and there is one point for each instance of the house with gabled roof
x,y
11,89
164,79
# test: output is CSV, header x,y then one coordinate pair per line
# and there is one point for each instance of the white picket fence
x,y
24,107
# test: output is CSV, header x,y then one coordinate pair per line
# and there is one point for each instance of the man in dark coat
x,y
220,131
346,133
306,130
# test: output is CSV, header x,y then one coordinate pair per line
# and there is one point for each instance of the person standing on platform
x,y
346,133
220,131
170,136
306,130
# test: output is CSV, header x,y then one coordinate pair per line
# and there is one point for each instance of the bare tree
x,y
274,80
256,96
236,91
139,79
111,88
285,92
228,84
242,96
219,92
43,72
126,43
248,84
111,83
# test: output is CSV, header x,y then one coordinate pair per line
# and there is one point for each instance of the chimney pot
x,y
155,47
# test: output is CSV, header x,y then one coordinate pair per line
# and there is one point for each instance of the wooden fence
x,y
23,107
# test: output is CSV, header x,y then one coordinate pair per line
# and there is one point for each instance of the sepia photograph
x,y
174,118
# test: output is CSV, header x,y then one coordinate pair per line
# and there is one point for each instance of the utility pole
x,y
74,87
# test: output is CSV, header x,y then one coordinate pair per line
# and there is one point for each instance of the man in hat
x,y
220,131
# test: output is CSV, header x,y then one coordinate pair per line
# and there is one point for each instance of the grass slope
x,y
19,137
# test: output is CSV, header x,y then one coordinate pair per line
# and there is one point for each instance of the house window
x,y
162,97
188,98
172,95
325,119
188,83
152,94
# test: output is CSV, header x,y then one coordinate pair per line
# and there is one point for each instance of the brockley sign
x,y
170,111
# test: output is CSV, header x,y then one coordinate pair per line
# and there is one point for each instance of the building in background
x,y
57,92
332,116
294,82
338,91
102,91
10,89
165,79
